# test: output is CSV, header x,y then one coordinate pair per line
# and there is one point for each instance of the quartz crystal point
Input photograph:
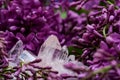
x,y
16,50
14,53
52,54
47,50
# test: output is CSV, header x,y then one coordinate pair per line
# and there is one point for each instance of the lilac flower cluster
x,y
92,26
34,20
100,42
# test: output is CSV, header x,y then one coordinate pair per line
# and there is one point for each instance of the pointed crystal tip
x,y
53,42
17,48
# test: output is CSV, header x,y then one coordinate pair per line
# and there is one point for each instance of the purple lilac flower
x,y
101,24
85,4
90,4
3,61
100,42
37,19
3,58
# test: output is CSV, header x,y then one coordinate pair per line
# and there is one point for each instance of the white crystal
x,y
64,54
14,53
26,56
17,55
51,43
71,58
16,50
53,55
48,48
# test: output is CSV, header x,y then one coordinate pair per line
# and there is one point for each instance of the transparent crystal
x,y
26,56
53,55
47,50
17,55
64,53
15,52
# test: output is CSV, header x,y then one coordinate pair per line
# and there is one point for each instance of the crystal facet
x,y
26,57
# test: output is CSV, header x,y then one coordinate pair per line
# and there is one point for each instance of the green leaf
x,y
79,11
63,14
77,50
102,3
111,1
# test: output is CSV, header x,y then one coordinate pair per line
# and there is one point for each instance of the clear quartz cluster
x,y
17,55
51,53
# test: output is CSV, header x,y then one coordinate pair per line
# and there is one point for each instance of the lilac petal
x,y
82,75
114,37
53,75
85,53
118,71
75,3
65,76
103,45
110,30
111,18
90,4
22,29
69,65
30,37
20,36
17,73
9,35
86,36
36,41
13,28
73,14
31,78
30,46
97,33
40,36
53,33
90,28
114,63
117,47
7,76
98,55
